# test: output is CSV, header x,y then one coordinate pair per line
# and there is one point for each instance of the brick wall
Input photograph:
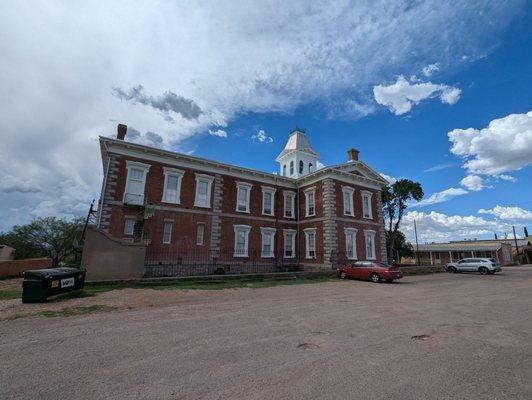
x,y
15,268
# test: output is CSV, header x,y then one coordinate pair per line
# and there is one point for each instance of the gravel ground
x,y
441,336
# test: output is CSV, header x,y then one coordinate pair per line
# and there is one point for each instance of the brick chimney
x,y
121,131
352,155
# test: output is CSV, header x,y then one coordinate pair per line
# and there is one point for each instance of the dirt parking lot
x,y
440,336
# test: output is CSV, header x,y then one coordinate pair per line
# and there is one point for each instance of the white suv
x,y
482,265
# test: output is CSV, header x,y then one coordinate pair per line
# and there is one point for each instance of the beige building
x,y
6,252
443,253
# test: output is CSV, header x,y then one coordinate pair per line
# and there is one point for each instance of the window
x,y
129,226
366,205
172,185
291,168
200,234
241,240
268,199
167,232
289,200
284,170
301,166
310,202
135,182
506,254
268,236
203,190
350,243
289,243
348,200
243,192
369,237
310,242
310,167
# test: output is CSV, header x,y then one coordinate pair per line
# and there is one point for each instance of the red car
x,y
370,270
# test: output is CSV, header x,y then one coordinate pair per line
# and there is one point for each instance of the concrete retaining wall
x,y
15,268
107,258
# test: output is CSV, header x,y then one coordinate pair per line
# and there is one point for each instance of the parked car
x,y
482,265
370,270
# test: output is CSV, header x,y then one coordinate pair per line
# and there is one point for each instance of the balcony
x,y
134,199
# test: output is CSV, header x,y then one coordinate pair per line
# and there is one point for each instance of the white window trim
x,y
246,229
263,231
289,193
307,252
270,190
242,185
307,192
293,233
367,194
170,237
205,178
354,232
348,191
370,233
129,218
135,165
168,172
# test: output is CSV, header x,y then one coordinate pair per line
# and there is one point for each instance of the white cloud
x,y
320,165
402,95
509,213
199,65
218,132
504,146
508,178
439,227
389,178
473,182
262,137
439,167
440,197
428,70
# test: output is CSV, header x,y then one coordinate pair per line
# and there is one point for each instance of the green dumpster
x,y
39,284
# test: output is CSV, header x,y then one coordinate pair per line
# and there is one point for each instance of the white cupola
x,y
297,159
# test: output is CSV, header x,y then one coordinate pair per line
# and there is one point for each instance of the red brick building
x,y
190,210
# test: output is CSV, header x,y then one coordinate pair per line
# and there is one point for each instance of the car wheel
x,y
451,269
343,275
375,278
492,272
483,270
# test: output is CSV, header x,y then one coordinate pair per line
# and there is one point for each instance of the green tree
x,y
402,248
395,198
45,237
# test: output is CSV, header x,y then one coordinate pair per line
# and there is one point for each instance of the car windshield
x,y
385,265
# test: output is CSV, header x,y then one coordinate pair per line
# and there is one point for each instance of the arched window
x,y
284,170
291,168
310,167
300,167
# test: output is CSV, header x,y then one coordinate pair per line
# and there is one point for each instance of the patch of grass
x,y
9,294
92,289
72,311
65,312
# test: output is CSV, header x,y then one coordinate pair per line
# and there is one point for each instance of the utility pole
x,y
417,244
515,239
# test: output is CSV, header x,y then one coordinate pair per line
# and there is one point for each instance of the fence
x,y
168,263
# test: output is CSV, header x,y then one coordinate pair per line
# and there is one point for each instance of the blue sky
x,y
389,79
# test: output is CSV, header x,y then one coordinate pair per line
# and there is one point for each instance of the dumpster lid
x,y
52,271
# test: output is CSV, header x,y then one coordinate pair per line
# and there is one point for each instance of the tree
x,y
401,247
395,198
45,237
